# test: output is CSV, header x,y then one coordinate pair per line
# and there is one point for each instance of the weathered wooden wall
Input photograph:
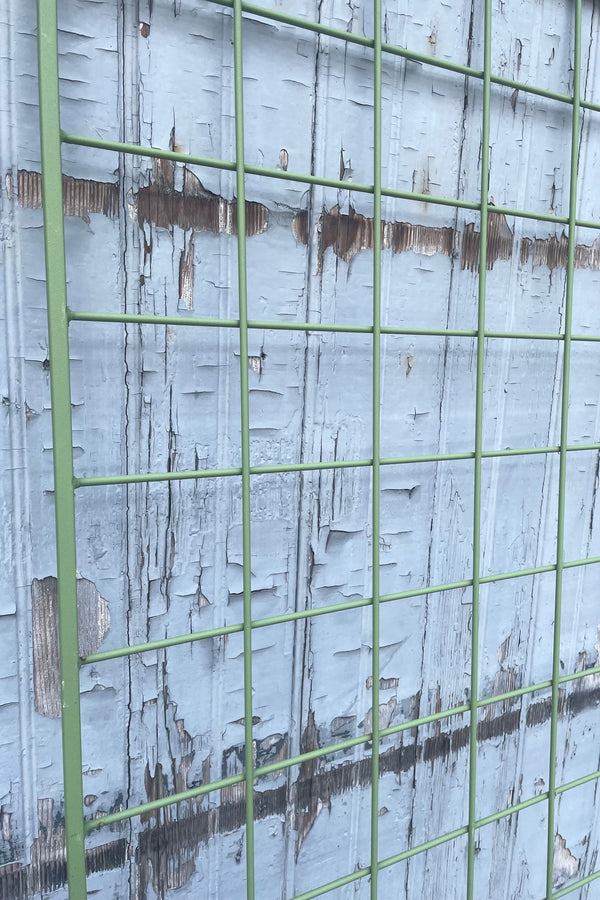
x,y
163,559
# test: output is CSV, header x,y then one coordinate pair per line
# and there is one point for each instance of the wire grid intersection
x,y
59,317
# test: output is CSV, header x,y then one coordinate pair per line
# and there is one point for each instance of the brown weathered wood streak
x,y
157,376
93,623
345,233
18,882
81,196
166,851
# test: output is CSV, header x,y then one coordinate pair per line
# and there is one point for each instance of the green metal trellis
x,y
59,317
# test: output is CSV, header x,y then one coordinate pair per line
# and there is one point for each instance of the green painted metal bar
x,y
200,790
195,321
422,848
564,434
316,327
576,885
576,563
424,720
331,749
575,676
162,643
478,467
313,754
152,805
142,319
249,764
333,885
578,782
283,469
296,177
514,694
395,50
300,178
511,810
60,315
527,214
60,392
376,441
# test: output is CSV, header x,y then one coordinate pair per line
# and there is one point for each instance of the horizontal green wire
x,y
254,170
213,322
430,845
394,50
594,670
153,805
511,810
333,885
357,187
289,468
201,790
284,618
422,848
403,52
577,782
514,693
425,720
312,754
576,884
206,161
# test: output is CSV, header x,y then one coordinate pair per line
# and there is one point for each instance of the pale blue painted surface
x,y
168,559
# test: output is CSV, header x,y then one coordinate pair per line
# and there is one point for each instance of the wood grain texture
x,y
164,559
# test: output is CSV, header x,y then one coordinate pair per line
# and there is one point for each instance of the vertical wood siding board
x,y
563,755
300,695
332,292
144,500
397,117
229,412
135,440
213,740
300,698
14,491
432,605
516,756
488,534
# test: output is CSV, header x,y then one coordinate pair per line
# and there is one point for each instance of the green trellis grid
x,y
59,317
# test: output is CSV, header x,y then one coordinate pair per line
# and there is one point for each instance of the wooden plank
x,y
164,559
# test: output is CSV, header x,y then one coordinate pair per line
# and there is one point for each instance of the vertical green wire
x,y
376,441
483,227
564,421
245,439
60,392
